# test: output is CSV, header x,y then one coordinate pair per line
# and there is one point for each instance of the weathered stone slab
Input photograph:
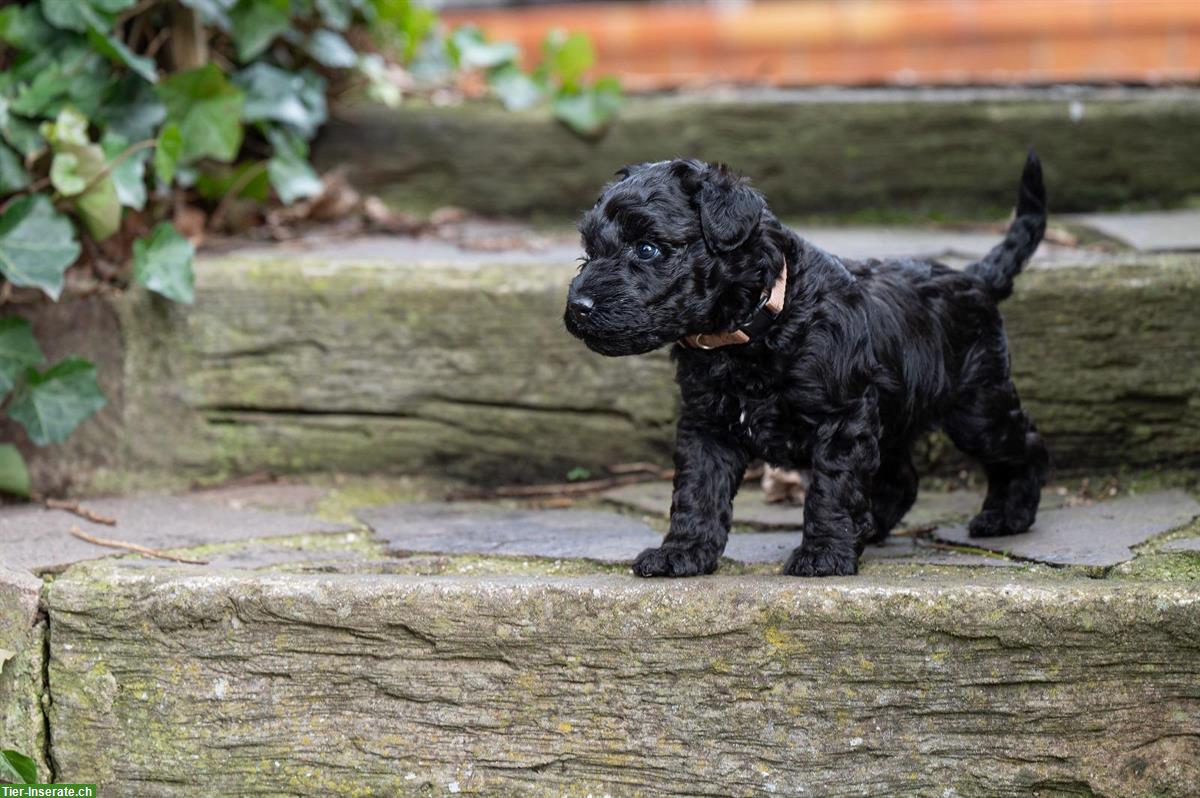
x,y
1186,544
287,497
457,365
955,247
774,547
268,555
810,152
932,507
19,592
22,639
1100,535
719,686
1149,231
36,538
474,528
293,362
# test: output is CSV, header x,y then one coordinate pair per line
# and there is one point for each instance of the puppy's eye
x,y
646,251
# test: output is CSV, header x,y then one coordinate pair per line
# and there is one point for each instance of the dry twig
x,y
231,194
580,488
120,544
79,510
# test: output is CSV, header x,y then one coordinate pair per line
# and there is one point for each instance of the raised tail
x,y
998,268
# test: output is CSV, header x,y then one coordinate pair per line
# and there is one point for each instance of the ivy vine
x,y
111,109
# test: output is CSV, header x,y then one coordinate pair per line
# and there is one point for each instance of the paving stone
x,y
1099,535
35,538
477,528
267,555
767,547
283,496
1155,230
953,247
749,507
1186,544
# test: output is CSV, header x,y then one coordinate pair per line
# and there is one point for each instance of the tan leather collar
x,y
771,305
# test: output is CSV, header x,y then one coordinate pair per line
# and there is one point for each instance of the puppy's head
x,y
672,248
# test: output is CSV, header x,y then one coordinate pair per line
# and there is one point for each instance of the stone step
x,y
166,680
876,152
421,653
409,356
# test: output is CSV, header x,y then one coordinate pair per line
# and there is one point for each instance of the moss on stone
x,y
393,367
870,157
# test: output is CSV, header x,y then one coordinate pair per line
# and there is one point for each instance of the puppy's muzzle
x,y
580,307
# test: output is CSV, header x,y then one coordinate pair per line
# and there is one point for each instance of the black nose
x,y
581,306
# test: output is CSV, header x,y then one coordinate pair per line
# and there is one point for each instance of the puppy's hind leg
x,y
989,425
894,489
709,467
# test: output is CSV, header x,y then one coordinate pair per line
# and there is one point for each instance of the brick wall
x,y
857,42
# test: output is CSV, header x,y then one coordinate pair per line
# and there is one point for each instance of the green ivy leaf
x,y
132,110
516,90
22,26
47,86
570,57
380,87
256,23
91,80
78,163
18,351
21,134
167,152
13,176
37,244
214,184
128,176
208,110
79,15
64,175
69,128
473,51
296,99
14,479
51,404
65,15
331,49
112,6
292,177
590,110
17,767
214,12
337,14
163,263
115,50
403,27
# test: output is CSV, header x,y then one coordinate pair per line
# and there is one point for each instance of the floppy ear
x,y
729,210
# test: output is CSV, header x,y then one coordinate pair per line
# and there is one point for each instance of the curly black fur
x,y
864,359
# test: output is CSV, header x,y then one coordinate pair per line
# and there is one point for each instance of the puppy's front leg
x,y
837,510
709,466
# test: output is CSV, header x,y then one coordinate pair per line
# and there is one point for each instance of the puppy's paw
x,y
670,561
995,523
822,559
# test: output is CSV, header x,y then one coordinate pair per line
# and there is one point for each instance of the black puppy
x,y
787,353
